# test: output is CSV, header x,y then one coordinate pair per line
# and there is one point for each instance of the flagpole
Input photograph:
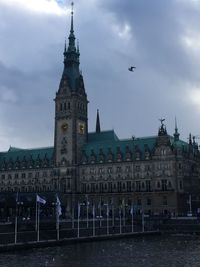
x,y
36,213
100,211
143,221
132,216
38,221
107,220
87,207
120,221
93,219
16,218
57,223
113,222
124,213
78,220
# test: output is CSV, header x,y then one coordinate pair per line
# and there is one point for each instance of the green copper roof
x,y
102,136
106,141
16,154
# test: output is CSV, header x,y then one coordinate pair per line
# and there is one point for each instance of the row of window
x,y
25,175
163,185
26,164
127,169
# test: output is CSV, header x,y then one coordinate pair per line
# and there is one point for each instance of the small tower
x,y
176,133
70,108
98,127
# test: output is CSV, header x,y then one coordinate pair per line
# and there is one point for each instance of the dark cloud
x,y
113,35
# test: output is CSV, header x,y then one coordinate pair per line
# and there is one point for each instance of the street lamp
x,y
87,210
18,203
107,213
79,212
120,220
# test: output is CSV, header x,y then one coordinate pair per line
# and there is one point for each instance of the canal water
x,y
179,250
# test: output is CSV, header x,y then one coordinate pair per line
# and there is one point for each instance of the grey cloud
x,y
31,66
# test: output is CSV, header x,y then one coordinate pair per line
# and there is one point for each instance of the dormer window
x,y
92,157
137,155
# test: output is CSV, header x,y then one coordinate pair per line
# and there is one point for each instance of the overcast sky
x,y
161,38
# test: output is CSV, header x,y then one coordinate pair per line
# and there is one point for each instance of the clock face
x,y
81,128
64,127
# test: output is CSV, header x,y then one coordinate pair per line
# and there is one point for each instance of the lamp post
x,y
100,212
87,210
120,220
113,214
143,220
93,212
18,203
132,229
124,212
79,212
107,213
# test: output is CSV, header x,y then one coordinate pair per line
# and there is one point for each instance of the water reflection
x,y
150,251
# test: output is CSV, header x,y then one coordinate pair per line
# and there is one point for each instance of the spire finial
x,y
176,128
98,127
176,133
72,13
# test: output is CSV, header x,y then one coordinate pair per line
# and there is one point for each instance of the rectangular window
x,y
16,175
164,185
137,167
164,201
148,186
128,185
119,186
110,187
44,174
148,201
101,170
138,186
109,169
128,169
119,169
30,175
37,174
23,175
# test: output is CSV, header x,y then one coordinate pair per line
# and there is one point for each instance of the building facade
x,y
157,174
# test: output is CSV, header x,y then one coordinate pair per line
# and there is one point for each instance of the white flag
x,y
131,210
58,206
93,211
40,200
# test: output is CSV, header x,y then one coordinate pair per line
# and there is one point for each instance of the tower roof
x,y
72,80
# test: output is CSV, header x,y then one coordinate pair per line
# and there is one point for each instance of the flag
x,y
93,211
107,211
79,210
131,210
40,200
16,199
58,206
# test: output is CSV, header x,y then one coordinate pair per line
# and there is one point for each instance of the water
x,y
141,252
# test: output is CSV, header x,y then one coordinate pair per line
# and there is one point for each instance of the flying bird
x,y
132,68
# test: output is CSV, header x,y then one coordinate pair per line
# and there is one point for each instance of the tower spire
x,y
98,127
71,35
176,133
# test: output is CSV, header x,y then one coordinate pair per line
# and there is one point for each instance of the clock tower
x,y
70,111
